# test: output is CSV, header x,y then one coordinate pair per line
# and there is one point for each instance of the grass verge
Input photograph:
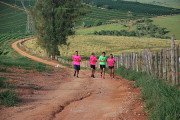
x,y
9,58
8,98
3,83
162,100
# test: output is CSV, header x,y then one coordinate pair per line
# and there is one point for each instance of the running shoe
x,y
93,76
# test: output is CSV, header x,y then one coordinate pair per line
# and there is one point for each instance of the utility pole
x,y
29,24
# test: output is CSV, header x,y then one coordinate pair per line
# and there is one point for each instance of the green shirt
x,y
103,58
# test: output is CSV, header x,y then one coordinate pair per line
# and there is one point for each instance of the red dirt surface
x,y
129,27
65,97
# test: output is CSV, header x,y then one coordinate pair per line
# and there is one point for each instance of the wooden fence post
x,y
160,65
134,58
143,62
156,63
177,64
127,60
139,62
130,62
173,61
137,65
150,61
168,60
120,60
117,62
164,64
152,64
147,63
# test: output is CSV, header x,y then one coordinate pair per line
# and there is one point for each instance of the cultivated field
x,y
12,20
110,44
172,23
168,3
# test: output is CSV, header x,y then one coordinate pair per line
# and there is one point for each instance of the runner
x,y
77,59
111,62
93,61
103,60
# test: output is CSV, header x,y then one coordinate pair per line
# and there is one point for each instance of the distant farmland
x,y
86,44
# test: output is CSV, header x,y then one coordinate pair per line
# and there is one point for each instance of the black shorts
x,y
102,66
77,67
111,67
93,67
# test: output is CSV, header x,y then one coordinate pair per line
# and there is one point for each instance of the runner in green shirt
x,y
103,60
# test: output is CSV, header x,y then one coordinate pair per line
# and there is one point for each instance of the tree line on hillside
x,y
144,27
134,7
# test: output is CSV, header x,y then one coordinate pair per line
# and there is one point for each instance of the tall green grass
x,y
3,83
8,98
162,100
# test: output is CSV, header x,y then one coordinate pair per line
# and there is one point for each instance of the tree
x,y
54,21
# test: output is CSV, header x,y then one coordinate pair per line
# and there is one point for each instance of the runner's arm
x,y
79,60
74,59
114,62
101,60
95,60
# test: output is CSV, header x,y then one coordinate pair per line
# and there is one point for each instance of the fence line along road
x,y
164,65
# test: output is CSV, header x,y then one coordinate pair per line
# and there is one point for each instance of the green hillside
x,y
172,23
106,16
110,11
13,20
91,30
168,3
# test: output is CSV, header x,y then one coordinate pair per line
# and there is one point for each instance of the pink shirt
x,y
76,58
93,60
111,61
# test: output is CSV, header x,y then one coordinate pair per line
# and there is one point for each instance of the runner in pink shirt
x,y
93,61
111,63
77,59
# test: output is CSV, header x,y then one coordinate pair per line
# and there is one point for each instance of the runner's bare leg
x,y
91,71
113,72
77,73
110,73
101,72
104,72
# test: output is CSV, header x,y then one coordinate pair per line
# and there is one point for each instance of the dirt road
x,y
81,98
